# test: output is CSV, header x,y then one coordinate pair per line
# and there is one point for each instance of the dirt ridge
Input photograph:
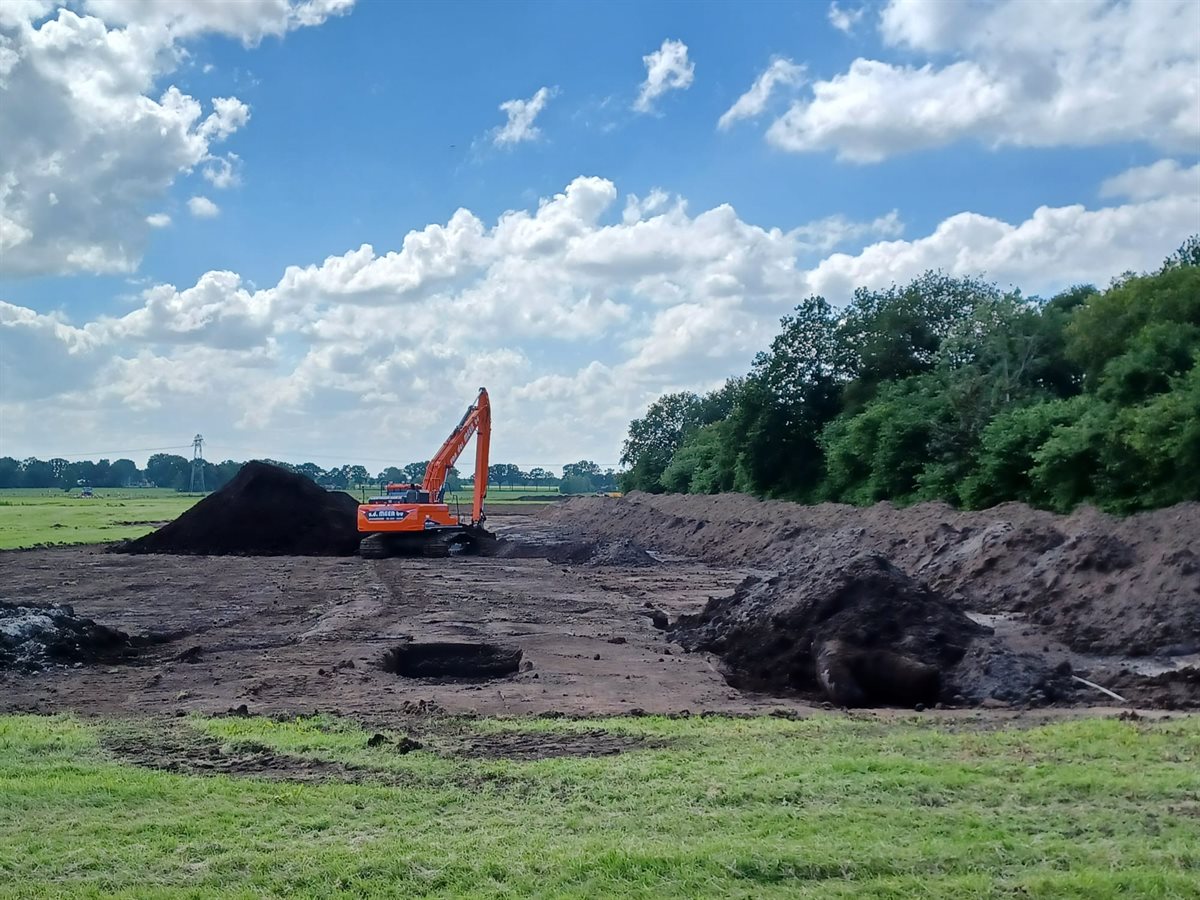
x,y
1102,584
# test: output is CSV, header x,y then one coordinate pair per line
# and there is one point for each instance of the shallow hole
x,y
452,659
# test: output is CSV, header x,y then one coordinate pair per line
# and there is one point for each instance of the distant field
x,y
31,517
508,495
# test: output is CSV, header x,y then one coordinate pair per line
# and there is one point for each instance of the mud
x,y
457,660
1102,585
35,637
264,511
185,751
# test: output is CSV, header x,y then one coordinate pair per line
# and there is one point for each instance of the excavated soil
x,y
1102,585
36,637
862,633
264,511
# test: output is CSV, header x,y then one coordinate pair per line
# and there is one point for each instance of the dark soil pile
x,y
35,637
264,511
860,633
1101,584
623,552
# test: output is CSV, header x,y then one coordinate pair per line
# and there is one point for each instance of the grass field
x,y
826,806
31,517
34,517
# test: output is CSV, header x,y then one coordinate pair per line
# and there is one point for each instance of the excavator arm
x,y
476,421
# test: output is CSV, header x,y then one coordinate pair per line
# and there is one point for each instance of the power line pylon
x,y
197,464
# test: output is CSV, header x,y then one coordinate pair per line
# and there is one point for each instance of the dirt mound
x,y
35,637
264,511
1102,584
861,633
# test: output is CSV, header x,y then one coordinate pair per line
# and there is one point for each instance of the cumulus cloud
x,y
246,20
158,220
844,20
780,73
667,69
88,141
521,115
576,312
1010,72
202,207
1164,178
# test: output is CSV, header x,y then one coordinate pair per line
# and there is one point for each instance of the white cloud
x,y
89,141
247,20
1011,72
834,231
223,171
521,115
667,69
780,73
202,207
575,312
1053,248
844,20
1164,178
158,220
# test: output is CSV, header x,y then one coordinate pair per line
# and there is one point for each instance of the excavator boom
x,y
477,420
407,517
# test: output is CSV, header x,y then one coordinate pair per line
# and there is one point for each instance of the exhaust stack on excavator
x,y
411,518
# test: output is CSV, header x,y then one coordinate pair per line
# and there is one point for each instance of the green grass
x,y
764,807
507,495
30,517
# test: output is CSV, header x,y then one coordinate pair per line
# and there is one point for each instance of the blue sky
x,y
907,135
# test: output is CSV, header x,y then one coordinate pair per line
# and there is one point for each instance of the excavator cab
x,y
414,519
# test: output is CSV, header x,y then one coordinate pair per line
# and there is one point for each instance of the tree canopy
x,y
953,389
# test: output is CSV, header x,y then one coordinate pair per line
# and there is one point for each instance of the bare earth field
x,y
299,634
285,635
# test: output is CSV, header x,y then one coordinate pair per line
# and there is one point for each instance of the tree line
x,y
168,470
952,389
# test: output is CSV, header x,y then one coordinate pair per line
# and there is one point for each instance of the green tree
x,y
897,332
10,472
792,391
653,439
167,470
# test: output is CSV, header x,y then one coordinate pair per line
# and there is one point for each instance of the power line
x,y
103,453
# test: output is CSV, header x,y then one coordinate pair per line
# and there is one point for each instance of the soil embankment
x,y
1101,584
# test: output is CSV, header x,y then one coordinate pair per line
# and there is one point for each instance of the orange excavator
x,y
415,519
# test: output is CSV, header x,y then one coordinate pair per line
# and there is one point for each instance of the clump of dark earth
x,y
264,511
35,637
991,671
456,660
862,633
